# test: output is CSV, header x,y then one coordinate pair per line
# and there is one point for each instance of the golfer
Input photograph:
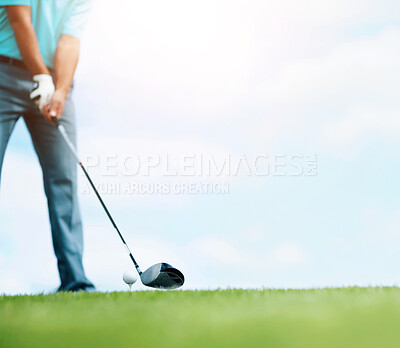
x,y
39,51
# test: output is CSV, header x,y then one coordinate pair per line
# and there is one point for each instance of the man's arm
x,y
67,55
65,63
20,20
19,17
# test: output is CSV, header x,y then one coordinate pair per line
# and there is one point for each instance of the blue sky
x,y
228,78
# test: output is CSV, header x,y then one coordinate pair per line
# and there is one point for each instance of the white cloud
x,y
226,252
351,72
362,121
219,250
12,283
288,255
183,71
343,96
327,12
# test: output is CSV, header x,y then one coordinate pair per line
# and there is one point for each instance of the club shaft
x,y
73,151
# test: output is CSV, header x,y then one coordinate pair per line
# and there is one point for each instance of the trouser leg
x,y
11,107
60,183
7,124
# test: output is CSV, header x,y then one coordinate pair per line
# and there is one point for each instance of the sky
x,y
287,110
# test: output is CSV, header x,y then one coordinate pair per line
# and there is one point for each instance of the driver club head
x,y
162,276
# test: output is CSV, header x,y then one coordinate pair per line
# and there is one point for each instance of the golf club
x,y
161,275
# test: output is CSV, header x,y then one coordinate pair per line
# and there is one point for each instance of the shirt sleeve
x,y
75,23
15,2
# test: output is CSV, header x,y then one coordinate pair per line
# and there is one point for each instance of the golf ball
x,y
129,277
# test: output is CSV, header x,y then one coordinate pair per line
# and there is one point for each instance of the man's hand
x,y
42,91
56,106
64,67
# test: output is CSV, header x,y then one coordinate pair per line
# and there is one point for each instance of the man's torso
x,y
50,19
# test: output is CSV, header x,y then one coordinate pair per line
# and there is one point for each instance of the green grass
x,y
348,317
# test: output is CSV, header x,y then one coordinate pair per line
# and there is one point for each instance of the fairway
x,y
345,317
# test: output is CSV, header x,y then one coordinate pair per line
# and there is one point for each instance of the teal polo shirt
x,y
50,19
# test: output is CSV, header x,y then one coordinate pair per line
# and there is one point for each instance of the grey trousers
x,y
58,167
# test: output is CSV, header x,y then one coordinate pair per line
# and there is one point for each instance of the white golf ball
x,y
130,277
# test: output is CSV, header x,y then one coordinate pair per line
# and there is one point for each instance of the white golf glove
x,y
42,90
